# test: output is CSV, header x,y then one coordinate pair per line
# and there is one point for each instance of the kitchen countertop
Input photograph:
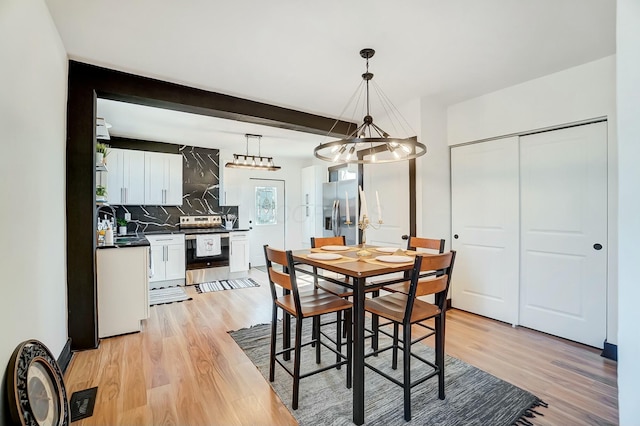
x,y
126,241
139,240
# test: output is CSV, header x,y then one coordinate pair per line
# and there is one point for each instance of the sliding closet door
x,y
484,198
563,286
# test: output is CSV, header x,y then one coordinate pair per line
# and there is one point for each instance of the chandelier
x,y
254,162
368,143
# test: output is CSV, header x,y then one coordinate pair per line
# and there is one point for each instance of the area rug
x,y
160,296
226,285
473,397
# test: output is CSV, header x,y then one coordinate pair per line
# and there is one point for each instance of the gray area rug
x,y
160,296
226,285
473,397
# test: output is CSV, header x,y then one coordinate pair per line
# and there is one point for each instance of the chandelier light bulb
x,y
351,151
405,148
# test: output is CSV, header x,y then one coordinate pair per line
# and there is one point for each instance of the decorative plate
x,y
394,259
388,249
35,387
324,256
335,248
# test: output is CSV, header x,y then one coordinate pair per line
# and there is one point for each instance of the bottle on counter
x,y
108,235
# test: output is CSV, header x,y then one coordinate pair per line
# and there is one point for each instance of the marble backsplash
x,y
201,187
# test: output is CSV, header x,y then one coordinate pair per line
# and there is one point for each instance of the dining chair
x,y
406,309
333,288
302,305
415,243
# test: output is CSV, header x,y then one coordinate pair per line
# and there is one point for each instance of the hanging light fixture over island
x,y
254,162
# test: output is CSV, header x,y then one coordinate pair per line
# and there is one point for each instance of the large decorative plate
x,y
324,256
35,387
335,248
394,259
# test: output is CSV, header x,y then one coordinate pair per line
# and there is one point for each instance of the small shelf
x,y
101,168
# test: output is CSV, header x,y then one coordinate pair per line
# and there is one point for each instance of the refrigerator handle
x,y
334,224
337,232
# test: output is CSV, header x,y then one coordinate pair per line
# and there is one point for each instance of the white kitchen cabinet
x,y
123,289
162,179
125,178
167,260
230,189
312,178
239,251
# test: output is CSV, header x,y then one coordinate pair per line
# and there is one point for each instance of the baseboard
x,y
65,356
610,351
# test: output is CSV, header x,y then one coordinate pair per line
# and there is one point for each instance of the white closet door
x,y
391,180
484,205
564,214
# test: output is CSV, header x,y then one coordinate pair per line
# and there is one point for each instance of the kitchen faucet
x,y
112,213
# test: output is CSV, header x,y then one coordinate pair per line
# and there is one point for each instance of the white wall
x,y
628,91
576,94
33,92
433,174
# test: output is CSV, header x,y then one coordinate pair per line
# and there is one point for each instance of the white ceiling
x,y
304,55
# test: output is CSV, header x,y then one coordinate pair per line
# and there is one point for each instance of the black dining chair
x,y
416,243
303,305
406,309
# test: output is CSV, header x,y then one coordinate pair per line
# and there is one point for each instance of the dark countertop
x,y
127,241
139,240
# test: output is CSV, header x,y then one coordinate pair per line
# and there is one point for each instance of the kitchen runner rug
x,y
226,285
160,296
473,396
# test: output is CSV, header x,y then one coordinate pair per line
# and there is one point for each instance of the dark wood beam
x,y
121,86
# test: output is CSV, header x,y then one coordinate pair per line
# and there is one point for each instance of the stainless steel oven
x,y
205,267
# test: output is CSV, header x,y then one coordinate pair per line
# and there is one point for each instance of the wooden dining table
x,y
360,270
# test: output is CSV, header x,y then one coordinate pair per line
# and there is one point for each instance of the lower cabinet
x,y
167,260
123,289
238,251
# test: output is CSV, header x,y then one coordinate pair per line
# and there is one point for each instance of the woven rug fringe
x,y
530,413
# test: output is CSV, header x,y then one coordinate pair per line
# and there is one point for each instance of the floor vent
x,y
82,403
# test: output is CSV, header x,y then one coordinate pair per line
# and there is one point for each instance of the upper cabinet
x,y
144,178
125,181
163,178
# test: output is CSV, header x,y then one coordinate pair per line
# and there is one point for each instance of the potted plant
x,y
122,226
101,153
101,193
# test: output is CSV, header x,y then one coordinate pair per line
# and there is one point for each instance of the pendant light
x,y
369,143
253,162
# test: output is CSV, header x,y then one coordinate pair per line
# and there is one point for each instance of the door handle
x,y
597,246
455,236
405,237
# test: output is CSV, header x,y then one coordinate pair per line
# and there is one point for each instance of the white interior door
x,y
484,207
391,180
564,215
266,218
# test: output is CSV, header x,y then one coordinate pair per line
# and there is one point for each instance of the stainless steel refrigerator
x,y
335,196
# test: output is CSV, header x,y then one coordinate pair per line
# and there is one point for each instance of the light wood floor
x,y
185,369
